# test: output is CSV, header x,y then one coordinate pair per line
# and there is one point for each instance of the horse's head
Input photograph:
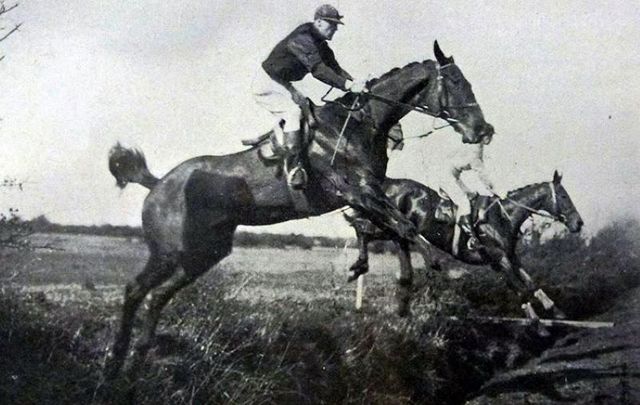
x,y
450,95
561,206
437,88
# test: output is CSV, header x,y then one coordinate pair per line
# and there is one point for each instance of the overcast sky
x,y
559,80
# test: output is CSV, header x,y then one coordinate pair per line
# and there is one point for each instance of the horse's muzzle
x,y
480,133
486,130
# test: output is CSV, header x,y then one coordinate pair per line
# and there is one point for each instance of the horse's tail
x,y
130,166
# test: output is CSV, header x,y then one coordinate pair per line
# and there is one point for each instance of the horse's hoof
x,y
355,276
404,308
558,314
112,369
359,265
542,331
403,312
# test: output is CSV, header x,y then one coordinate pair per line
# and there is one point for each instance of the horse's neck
x,y
402,85
534,196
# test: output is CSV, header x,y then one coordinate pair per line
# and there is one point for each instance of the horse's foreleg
x,y
371,200
156,271
541,296
361,266
502,264
520,281
405,281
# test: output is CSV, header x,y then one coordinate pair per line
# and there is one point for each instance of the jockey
x,y
305,50
468,157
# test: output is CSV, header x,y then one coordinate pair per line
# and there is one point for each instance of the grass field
x,y
105,264
274,326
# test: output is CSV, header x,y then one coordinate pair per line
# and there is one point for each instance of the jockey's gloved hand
x,y
357,85
502,196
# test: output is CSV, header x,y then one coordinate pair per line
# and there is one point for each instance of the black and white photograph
x,y
319,202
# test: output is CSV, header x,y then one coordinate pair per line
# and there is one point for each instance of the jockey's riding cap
x,y
329,13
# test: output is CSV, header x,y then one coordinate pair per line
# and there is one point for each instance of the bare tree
x,y
4,31
13,231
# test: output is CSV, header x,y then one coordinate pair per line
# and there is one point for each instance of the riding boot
x,y
465,224
296,175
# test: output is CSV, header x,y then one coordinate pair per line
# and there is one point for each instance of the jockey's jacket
x,y
305,51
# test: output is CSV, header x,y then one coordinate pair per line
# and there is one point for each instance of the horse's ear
x,y
557,177
439,54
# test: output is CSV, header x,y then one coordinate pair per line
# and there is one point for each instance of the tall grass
x,y
244,336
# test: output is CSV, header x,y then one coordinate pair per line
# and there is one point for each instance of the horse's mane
x,y
520,189
348,98
392,72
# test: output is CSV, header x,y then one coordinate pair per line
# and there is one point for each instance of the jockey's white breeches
x,y
466,158
276,99
459,197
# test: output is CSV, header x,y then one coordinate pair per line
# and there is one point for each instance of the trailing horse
x,y
191,214
498,232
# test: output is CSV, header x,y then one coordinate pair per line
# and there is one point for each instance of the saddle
x,y
271,148
271,144
447,209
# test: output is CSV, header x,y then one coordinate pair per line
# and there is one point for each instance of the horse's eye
x,y
455,77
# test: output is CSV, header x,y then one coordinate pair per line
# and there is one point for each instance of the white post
x,y
359,292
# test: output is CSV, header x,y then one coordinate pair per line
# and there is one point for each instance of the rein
x,y
554,197
422,109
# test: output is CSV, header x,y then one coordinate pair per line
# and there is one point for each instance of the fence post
x,y
359,291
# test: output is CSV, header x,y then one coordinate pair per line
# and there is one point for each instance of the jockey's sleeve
x,y
326,75
310,56
329,58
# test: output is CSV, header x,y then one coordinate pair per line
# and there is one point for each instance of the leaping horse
x,y
498,232
190,215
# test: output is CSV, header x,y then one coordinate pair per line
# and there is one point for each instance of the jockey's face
x,y
325,28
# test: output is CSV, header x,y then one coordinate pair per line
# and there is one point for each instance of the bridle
x,y
441,95
556,215
443,92
442,111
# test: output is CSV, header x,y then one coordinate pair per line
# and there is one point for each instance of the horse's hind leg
x,y
159,300
193,264
156,271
